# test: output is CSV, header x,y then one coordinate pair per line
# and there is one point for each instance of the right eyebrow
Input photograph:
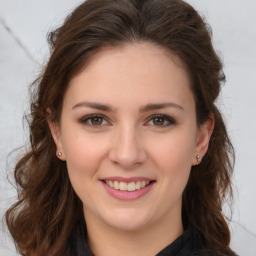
x,y
94,105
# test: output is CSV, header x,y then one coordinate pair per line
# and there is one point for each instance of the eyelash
x,y
85,120
170,120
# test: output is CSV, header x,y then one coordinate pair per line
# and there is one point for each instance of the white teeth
x,y
111,184
138,185
131,186
124,186
116,184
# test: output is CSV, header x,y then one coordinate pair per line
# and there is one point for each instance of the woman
x,y
129,153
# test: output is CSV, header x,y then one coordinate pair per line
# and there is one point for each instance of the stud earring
x,y
198,158
59,154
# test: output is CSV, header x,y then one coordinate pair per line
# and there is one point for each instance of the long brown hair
x,y
42,219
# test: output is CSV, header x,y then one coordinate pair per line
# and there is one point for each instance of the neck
x,y
105,240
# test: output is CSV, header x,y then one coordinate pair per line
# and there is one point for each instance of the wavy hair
x,y
47,210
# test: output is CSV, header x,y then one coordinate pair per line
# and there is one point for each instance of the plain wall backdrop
x,y
23,51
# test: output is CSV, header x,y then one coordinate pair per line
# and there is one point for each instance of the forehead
x,y
146,54
139,71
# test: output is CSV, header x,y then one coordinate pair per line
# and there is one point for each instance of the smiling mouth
x,y
127,186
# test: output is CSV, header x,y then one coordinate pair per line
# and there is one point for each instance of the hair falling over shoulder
x,y
47,210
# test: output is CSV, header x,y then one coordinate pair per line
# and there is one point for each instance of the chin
x,y
127,220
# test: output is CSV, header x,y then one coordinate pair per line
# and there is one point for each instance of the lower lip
x,y
128,195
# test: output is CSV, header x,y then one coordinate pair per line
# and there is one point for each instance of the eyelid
x,y
84,120
165,117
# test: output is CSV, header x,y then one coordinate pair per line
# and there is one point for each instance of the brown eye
x,y
161,121
158,121
96,120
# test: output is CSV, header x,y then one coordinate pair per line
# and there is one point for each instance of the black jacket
x,y
188,244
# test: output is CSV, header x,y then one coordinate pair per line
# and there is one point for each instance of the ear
x,y
203,137
56,135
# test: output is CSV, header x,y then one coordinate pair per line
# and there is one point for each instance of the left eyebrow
x,y
150,107
108,108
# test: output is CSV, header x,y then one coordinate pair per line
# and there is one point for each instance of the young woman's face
x,y
129,136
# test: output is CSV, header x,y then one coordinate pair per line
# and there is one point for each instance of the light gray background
x,y
23,51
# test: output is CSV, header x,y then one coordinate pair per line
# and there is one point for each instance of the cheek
x,y
177,168
83,153
83,157
173,157
175,150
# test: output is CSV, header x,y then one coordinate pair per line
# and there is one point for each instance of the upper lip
x,y
124,179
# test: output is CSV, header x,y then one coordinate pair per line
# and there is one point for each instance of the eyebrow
x,y
108,108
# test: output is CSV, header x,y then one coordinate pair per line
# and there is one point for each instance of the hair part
x,y
47,208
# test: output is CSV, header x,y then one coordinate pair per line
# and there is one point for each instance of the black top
x,y
188,244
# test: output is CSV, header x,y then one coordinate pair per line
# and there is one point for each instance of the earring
x,y
198,158
59,154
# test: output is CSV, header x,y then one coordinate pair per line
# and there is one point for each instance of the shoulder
x,y
214,253
191,243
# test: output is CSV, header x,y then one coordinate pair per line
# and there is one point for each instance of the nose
x,y
126,150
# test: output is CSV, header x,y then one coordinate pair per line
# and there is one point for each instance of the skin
x,y
129,143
